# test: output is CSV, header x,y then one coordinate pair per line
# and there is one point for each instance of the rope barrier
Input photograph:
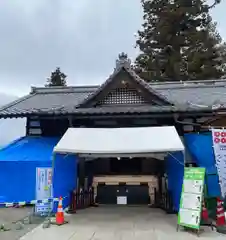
x,y
13,204
32,216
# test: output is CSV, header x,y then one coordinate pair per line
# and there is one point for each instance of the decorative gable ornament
x,y
217,106
122,61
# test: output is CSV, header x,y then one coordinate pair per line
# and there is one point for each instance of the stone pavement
x,y
8,217
118,223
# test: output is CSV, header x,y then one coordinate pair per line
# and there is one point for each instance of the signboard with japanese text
x,y
191,198
43,189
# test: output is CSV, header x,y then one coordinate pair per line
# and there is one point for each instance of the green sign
x,y
191,198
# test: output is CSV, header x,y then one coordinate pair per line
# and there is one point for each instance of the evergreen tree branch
x,y
179,42
214,3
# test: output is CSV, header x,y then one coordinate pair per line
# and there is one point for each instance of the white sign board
x,y
122,200
191,218
43,189
191,198
191,201
219,147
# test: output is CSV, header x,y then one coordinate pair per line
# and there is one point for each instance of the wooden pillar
x,y
70,121
27,126
81,172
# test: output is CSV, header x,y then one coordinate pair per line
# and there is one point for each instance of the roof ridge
x,y
165,87
62,89
95,93
146,85
177,84
189,81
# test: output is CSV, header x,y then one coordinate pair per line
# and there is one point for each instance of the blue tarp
x,y
18,163
200,147
64,177
175,173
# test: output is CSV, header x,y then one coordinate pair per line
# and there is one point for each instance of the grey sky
x,y
83,37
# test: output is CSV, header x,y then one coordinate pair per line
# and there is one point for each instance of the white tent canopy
x,y
102,142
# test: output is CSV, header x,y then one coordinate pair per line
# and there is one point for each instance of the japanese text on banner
x,y
219,146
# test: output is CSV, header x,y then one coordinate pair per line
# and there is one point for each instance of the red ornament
x,y
223,134
217,134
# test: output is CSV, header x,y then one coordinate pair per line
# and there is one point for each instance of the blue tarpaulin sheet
x,y
175,173
64,177
18,163
201,151
200,147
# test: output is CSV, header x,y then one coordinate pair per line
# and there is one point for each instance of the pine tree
x,y
222,52
57,78
176,42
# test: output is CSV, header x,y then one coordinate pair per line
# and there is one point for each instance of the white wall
x,y
10,129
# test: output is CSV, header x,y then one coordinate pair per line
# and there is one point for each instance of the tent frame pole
x,y
184,153
53,161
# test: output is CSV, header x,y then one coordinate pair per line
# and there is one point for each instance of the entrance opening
x,y
133,178
124,166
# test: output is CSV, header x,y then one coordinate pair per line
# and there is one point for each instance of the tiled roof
x,y
192,95
203,93
47,99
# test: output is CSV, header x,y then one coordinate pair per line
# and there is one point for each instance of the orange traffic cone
x,y
204,213
205,220
205,216
60,213
220,223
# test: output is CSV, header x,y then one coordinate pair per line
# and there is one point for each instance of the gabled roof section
x,y
46,100
123,64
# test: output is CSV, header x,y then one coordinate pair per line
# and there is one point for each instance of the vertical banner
x,y
191,198
43,189
219,147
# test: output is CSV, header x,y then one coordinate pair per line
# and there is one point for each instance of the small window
x,y
35,131
34,124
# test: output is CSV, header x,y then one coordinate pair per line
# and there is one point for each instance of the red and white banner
x,y
219,147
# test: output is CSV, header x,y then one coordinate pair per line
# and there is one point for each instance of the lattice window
x,y
122,96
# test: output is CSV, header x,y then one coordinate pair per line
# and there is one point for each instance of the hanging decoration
x,y
219,147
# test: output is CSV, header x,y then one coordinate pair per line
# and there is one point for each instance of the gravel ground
x,y
9,217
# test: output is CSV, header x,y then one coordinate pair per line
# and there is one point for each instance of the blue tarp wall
x,y
18,163
175,173
200,148
64,177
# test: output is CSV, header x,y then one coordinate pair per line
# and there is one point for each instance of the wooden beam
x,y
81,172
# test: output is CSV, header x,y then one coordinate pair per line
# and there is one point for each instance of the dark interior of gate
x,y
124,181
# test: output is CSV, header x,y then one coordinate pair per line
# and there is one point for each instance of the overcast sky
x,y
83,37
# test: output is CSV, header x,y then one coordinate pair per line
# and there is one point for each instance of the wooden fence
x,y
81,199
